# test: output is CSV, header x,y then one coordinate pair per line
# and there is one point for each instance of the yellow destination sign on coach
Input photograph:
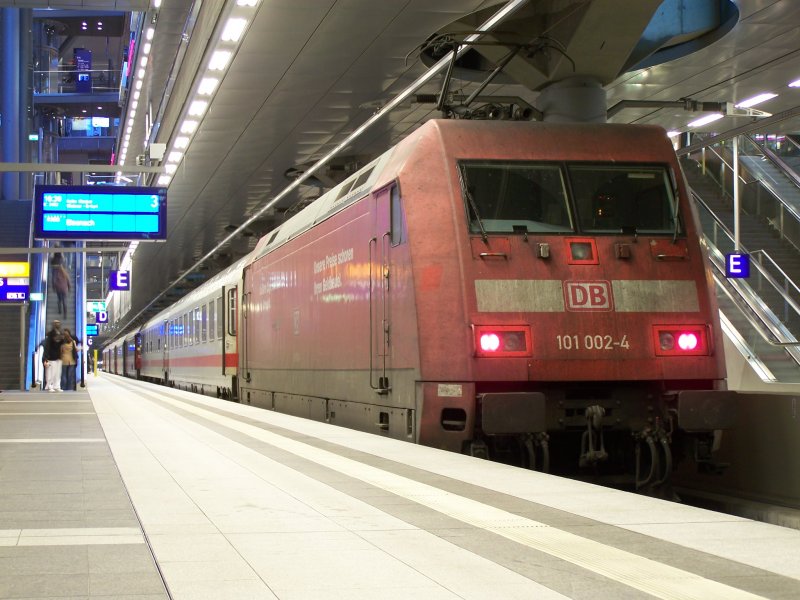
x,y
15,269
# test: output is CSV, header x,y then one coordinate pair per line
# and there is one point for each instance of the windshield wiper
x,y
462,178
677,200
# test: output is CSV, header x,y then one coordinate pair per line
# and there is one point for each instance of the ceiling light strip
x,y
230,34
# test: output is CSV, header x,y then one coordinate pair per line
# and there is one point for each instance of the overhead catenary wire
x,y
506,11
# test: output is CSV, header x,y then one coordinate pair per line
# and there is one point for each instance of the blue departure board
x,y
100,212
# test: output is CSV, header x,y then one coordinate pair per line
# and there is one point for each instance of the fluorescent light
x,y
207,86
755,100
132,113
246,2
233,29
795,83
175,157
135,104
164,180
219,60
136,94
156,3
143,61
129,129
140,73
150,33
197,108
189,126
673,134
705,120
182,142
170,169
138,84
146,48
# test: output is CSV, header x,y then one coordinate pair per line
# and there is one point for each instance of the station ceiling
x,y
309,72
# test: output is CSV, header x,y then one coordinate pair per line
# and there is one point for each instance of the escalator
x,y
760,315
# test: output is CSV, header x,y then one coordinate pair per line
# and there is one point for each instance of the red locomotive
x,y
535,293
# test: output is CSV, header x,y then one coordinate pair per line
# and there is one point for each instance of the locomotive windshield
x,y
506,196
623,198
510,197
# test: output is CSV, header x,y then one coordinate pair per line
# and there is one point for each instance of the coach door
x,y
162,339
243,334
380,246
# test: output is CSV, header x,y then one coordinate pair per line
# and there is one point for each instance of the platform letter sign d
x,y
737,266
119,280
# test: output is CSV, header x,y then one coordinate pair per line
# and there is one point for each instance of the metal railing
x,y
746,296
757,196
64,81
767,276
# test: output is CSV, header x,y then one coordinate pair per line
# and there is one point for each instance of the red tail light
x,y
502,340
681,340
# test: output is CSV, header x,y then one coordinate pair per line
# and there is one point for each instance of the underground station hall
x,y
358,300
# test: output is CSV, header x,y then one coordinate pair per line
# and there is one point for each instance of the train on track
x,y
529,292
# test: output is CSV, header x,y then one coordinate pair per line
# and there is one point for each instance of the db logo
x,y
588,295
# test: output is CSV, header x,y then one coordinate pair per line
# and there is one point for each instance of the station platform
x,y
131,490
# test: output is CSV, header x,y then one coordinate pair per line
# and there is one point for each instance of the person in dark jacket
x,y
61,285
51,358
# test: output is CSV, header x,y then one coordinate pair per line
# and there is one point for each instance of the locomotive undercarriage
x,y
632,437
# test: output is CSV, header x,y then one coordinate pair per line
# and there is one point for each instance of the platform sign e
x,y
119,280
737,266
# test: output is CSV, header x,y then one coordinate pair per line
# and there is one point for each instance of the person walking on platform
x,y
51,358
62,286
69,358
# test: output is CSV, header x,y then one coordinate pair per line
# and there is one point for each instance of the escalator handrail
x,y
769,321
776,160
777,268
765,274
792,210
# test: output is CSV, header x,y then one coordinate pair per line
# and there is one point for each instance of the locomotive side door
x,y
379,297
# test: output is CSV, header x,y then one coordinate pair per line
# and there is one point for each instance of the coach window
x,y
211,321
190,328
184,331
197,324
514,197
232,311
204,323
398,225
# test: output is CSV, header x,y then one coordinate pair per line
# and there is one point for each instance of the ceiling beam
x,y
74,168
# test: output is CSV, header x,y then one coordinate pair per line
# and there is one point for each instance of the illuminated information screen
x,y
14,281
100,212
